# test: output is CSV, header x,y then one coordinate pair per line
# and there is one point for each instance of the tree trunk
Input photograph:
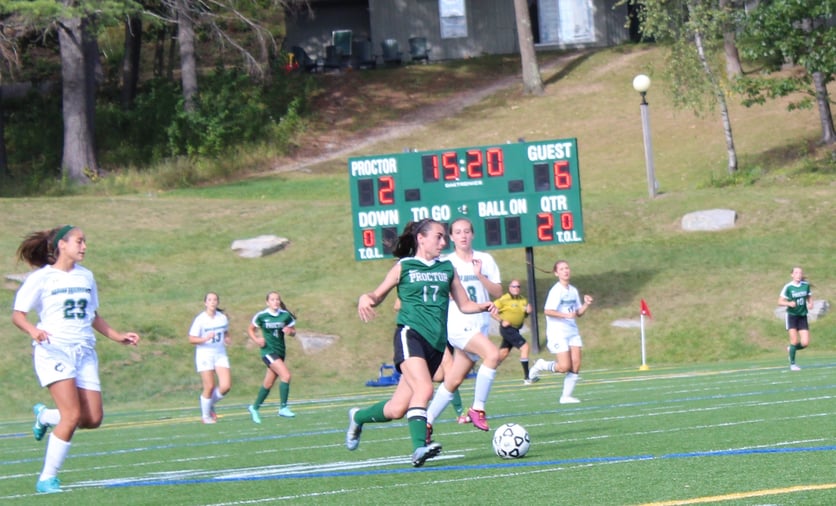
x,y
4,162
733,67
721,100
130,62
188,63
823,102
78,160
532,82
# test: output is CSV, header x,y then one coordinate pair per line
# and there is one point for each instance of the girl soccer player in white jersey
x,y
63,342
468,333
563,307
210,335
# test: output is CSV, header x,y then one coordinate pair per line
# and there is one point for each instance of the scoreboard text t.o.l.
x,y
517,195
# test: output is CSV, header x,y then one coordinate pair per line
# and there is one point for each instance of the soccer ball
x,y
511,441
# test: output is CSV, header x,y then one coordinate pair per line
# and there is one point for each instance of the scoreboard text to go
x,y
517,195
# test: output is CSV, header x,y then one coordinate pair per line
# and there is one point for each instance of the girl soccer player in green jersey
x,y
64,356
272,323
797,297
425,284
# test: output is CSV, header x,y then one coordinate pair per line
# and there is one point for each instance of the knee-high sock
x,y
56,451
205,407
440,401
524,364
484,382
50,417
457,403
216,396
284,393
569,384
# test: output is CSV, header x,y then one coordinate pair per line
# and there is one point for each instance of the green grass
x,y
712,295
738,433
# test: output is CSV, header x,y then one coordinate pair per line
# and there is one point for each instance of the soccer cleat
x,y
286,412
208,420
428,439
48,486
463,419
794,367
38,429
569,400
534,372
527,382
254,414
478,419
352,435
420,455
213,414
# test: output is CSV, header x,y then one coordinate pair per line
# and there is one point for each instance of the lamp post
x,y
641,83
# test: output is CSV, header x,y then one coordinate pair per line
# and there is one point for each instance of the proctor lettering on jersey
x,y
70,290
432,277
556,151
375,167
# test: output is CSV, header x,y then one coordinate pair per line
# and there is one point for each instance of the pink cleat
x,y
478,419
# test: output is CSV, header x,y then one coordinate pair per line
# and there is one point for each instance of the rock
x,y
820,308
312,343
709,220
260,246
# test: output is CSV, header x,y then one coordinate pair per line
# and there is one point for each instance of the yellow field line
x,y
744,495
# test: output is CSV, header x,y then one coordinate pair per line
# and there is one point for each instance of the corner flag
x,y
646,310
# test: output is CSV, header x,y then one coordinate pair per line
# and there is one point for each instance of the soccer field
x,y
735,433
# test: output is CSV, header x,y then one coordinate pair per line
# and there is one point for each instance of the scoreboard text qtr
x,y
517,195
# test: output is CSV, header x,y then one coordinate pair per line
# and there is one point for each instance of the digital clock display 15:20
x,y
517,194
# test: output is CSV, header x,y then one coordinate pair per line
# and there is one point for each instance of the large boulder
x,y
260,246
709,220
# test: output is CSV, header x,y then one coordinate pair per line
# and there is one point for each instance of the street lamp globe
x,y
641,83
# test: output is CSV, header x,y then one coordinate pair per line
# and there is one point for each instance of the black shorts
x,y
271,357
409,344
797,322
511,337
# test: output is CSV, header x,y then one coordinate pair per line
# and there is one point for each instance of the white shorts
x,y
54,363
462,335
208,360
561,343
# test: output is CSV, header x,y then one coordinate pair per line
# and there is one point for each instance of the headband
x,y
60,235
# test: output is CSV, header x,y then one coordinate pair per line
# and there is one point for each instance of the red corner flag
x,y
646,310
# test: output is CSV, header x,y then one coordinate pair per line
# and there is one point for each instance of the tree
x,y
695,30
532,82
801,32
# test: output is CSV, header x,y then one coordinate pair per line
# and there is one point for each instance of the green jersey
x,y
424,290
272,330
799,293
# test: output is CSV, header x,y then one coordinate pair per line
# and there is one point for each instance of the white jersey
x,y
476,291
66,303
203,324
565,300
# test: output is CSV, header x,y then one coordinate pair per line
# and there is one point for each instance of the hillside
x,y
712,294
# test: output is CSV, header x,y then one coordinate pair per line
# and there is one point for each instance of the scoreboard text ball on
x,y
517,195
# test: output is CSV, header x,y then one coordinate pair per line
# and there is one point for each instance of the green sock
x,y
418,431
284,391
457,402
262,394
792,353
372,414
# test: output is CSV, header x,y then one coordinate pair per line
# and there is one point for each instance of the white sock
x,y
569,384
216,396
50,417
484,382
440,401
205,407
550,366
56,452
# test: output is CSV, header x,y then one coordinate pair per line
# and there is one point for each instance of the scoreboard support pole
x,y
532,298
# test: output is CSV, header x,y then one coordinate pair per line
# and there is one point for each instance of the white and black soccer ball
x,y
511,441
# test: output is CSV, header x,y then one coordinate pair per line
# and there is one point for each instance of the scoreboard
x,y
517,195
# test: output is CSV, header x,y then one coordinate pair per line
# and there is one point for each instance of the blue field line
x,y
514,464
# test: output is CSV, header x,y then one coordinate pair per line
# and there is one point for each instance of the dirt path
x,y
335,144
